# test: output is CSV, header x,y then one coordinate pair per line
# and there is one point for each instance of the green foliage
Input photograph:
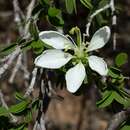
x,y
125,125
15,109
19,96
19,127
7,50
106,100
24,108
103,3
100,20
70,6
33,29
3,111
87,3
18,108
111,90
114,73
26,45
37,46
55,16
44,2
52,11
121,59
110,95
114,90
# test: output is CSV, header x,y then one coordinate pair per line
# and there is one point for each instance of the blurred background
x,y
74,112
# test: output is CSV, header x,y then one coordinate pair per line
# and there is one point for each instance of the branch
x,y
31,86
28,16
118,119
23,31
18,16
16,68
92,17
110,5
114,22
26,72
9,60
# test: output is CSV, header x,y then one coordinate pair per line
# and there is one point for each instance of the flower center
x,y
80,54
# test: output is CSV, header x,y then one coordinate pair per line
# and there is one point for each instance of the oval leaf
x,y
121,59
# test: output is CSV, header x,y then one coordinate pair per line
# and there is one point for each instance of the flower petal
x,y
98,64
55,39
52,59
74,77
100,38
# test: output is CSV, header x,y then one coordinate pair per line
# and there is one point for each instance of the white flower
x,y
56,58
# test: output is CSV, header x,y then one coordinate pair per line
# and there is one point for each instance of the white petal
x,y
74,77
100,38
55,39
52,59
98,64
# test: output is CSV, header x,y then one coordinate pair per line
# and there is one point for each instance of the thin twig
x,y
18,16
16,68
23,31
110,5
9,61
31,86
28,16
5,58
26,72
93,15
114,22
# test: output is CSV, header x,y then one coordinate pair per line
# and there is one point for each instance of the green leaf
x,y
3,111
56,21
7,50
87,3
55,16
52,11
114,72
110,95
127,104
16,109
102,3
121,59
28,117
119,98
106,100
74,4
125,125
70,6
37,46
19,96
27,46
